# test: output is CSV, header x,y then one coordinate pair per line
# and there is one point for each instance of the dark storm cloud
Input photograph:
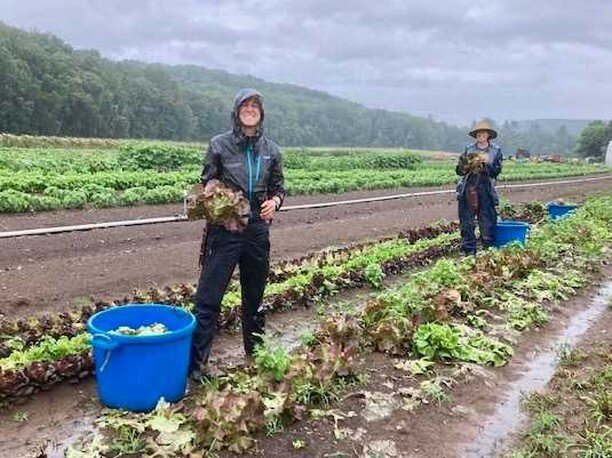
x,y
456,60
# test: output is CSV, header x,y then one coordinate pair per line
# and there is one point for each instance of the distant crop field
x,y
49,173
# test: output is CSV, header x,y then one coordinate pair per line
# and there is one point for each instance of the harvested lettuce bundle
x,y
219,205
563,202
475,162
150,330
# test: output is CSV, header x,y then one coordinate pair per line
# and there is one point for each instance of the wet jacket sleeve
x,y
276,184
211,167
494,168
462,163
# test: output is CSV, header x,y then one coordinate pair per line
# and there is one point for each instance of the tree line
x,y
49,88
594,139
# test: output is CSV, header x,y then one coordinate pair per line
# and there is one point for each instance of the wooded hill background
x,y
49,88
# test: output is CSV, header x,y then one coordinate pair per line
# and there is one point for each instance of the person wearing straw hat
x,y
478,167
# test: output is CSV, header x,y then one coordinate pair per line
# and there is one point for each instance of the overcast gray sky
x,y
453,60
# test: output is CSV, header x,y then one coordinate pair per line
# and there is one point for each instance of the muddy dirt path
x,y
43,273
499,428
573,394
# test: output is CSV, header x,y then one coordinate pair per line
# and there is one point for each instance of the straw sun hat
x,y
483,125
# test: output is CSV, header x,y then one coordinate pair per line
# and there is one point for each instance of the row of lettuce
x,y
38,352
32,180
454,312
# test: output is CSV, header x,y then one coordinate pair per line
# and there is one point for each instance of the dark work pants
x,y
487,219
250,250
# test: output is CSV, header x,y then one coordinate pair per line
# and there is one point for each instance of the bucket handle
x,y
103,341
106,343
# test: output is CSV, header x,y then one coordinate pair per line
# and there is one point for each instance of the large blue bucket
x,y
510,231
557,211
134,372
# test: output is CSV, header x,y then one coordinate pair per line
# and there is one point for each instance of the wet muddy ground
x,y
570,392
538,372
51,420
44,273
461,427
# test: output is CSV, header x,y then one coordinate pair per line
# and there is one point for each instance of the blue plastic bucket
x,y
134,372
556,211
510,231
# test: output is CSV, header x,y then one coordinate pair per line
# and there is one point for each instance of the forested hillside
x,y
49,88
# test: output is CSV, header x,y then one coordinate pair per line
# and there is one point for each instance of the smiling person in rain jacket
x,y
478,166
245,160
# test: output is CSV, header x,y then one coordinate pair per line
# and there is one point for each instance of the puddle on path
x,y
539,371
50,421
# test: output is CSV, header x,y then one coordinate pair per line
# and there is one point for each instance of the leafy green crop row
x,y
49,349
330,272
23,191
406,160
428,243
281,386
41,141
48,179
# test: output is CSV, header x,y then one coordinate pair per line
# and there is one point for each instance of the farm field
x,y
401,246
46,175
373,342
63,271
415,330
